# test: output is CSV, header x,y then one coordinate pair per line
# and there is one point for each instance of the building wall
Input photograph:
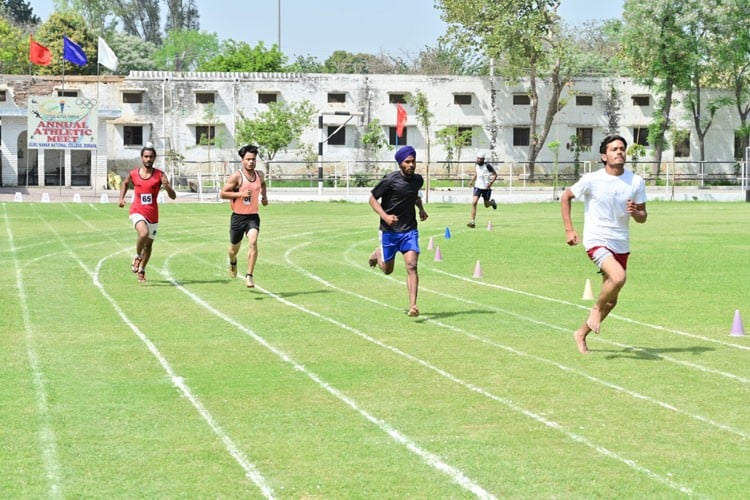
x,y
168,115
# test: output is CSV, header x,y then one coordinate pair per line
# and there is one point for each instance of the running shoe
x,y
249,281
471,224
233,269
141,275
494,204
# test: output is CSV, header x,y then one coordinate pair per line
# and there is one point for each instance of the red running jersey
x,y
146,194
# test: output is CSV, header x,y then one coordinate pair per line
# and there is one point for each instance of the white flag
x,y
107,58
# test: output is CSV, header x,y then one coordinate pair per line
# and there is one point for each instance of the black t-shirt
x,y
398,194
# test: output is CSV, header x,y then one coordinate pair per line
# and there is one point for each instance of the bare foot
x,y
373,260
595,319
580,338
413,312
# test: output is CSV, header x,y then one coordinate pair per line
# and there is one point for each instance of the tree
x,y
97,13
701,26
660,56
341,61
186,50
595,47
14,49
305,64
373,140
213,121
182,15
275,129
424,116
19,11
133,53
612,108
453,140
50,34
140,18
523,36
241,57
448,60
733,55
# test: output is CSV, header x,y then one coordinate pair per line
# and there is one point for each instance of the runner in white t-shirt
x,y
484,177
611,196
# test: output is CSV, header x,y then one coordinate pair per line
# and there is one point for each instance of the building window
x,y
204,135
640,136
267,97
397,98
682,148
337,139
585,137
521,136
641,100
3,96
67,93
466,132
205,97
462,99
392,138
132,135
132,97
521,99
336,98
584,100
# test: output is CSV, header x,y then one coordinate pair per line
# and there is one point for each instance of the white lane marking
x,y
47,438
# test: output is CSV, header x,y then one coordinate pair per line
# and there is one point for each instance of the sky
x,y
318,27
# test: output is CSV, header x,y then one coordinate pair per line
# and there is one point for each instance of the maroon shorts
x,y
599,253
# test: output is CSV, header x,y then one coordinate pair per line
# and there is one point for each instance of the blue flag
x,y
73,52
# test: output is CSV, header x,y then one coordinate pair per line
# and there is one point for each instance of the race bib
x,y
147,199
246,200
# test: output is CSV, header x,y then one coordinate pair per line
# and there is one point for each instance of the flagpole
x,y
96,149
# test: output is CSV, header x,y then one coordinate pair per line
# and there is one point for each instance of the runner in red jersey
x,y
144,211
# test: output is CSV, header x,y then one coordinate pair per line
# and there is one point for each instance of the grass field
x,y
316,384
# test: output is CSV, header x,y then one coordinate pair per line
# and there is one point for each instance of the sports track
x,y
169,247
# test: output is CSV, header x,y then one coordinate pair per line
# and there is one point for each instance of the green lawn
x,y
316,384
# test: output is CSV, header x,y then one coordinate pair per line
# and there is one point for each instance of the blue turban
x,y
404,153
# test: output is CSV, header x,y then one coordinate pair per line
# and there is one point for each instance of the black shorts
x,y
483,193
240,225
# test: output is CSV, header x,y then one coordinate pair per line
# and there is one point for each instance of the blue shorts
x,y
390,243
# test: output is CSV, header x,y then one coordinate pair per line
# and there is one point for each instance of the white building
x,y
174,110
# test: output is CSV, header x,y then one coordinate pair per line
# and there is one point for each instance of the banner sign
x,y
62,122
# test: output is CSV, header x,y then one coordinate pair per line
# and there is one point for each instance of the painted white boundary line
x,y
694,366
513,350
47,437
615,316
429,458
251,472
508,403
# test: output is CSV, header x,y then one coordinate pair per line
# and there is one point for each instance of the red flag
x,y
39,54
400,120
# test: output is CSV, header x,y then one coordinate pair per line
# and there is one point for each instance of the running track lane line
x,y
430,458
47,438
251,472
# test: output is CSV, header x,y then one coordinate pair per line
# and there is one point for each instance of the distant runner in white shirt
x,y
484,177
611,196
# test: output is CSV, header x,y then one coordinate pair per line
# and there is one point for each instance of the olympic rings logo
x,y
86,103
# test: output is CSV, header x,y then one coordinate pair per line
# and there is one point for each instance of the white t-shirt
x,y
605,196
484,174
